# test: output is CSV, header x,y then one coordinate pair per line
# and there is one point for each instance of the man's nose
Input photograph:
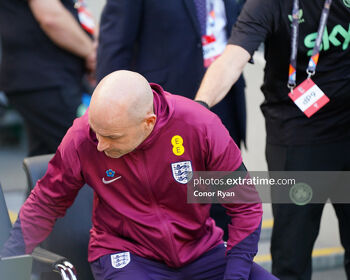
x,y
102,145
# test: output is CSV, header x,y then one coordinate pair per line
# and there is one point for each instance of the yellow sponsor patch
x,y
178,148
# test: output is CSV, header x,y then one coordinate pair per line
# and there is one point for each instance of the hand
x,y
90,59
90,64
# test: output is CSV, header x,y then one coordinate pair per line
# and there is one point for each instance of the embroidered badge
x,y
178,148
182,171
110,174
120,260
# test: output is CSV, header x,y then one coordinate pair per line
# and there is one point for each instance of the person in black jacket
x,y
45,53
306,109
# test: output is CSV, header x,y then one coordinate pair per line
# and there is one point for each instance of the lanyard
x,y
316,50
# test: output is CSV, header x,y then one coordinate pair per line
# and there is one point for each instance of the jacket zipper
x,y
160,216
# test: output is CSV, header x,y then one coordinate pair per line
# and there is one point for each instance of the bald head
x,y
122,96
121,113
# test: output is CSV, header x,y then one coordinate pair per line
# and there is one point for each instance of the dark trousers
x,y
211,265
47,115
296,227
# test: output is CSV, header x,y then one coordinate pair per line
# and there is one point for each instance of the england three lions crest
x,y
120,260
182,171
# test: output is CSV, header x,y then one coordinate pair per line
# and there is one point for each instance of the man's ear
x,y
151,120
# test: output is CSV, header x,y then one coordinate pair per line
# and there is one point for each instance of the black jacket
x,y
161,40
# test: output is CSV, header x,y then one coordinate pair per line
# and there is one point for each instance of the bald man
x,y
128,147
121,113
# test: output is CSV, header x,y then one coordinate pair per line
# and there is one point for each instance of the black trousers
x,y
296,227
47,115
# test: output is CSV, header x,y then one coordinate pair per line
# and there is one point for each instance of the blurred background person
x,y
312,135
172,43
47,47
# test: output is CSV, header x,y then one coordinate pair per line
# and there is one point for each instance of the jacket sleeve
x,y
119,28
244,233
244,230
49,200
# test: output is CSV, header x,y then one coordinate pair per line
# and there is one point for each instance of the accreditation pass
x,y
308,97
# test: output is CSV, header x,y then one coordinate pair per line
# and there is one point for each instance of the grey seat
x,y
70,235
4,220
45,262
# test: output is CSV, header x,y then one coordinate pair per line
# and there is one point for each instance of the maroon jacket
x,y
140,201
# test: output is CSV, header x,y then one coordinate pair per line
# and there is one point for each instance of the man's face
x,y
120,139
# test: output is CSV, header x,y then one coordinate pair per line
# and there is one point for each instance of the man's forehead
x,y
108,130
106,119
